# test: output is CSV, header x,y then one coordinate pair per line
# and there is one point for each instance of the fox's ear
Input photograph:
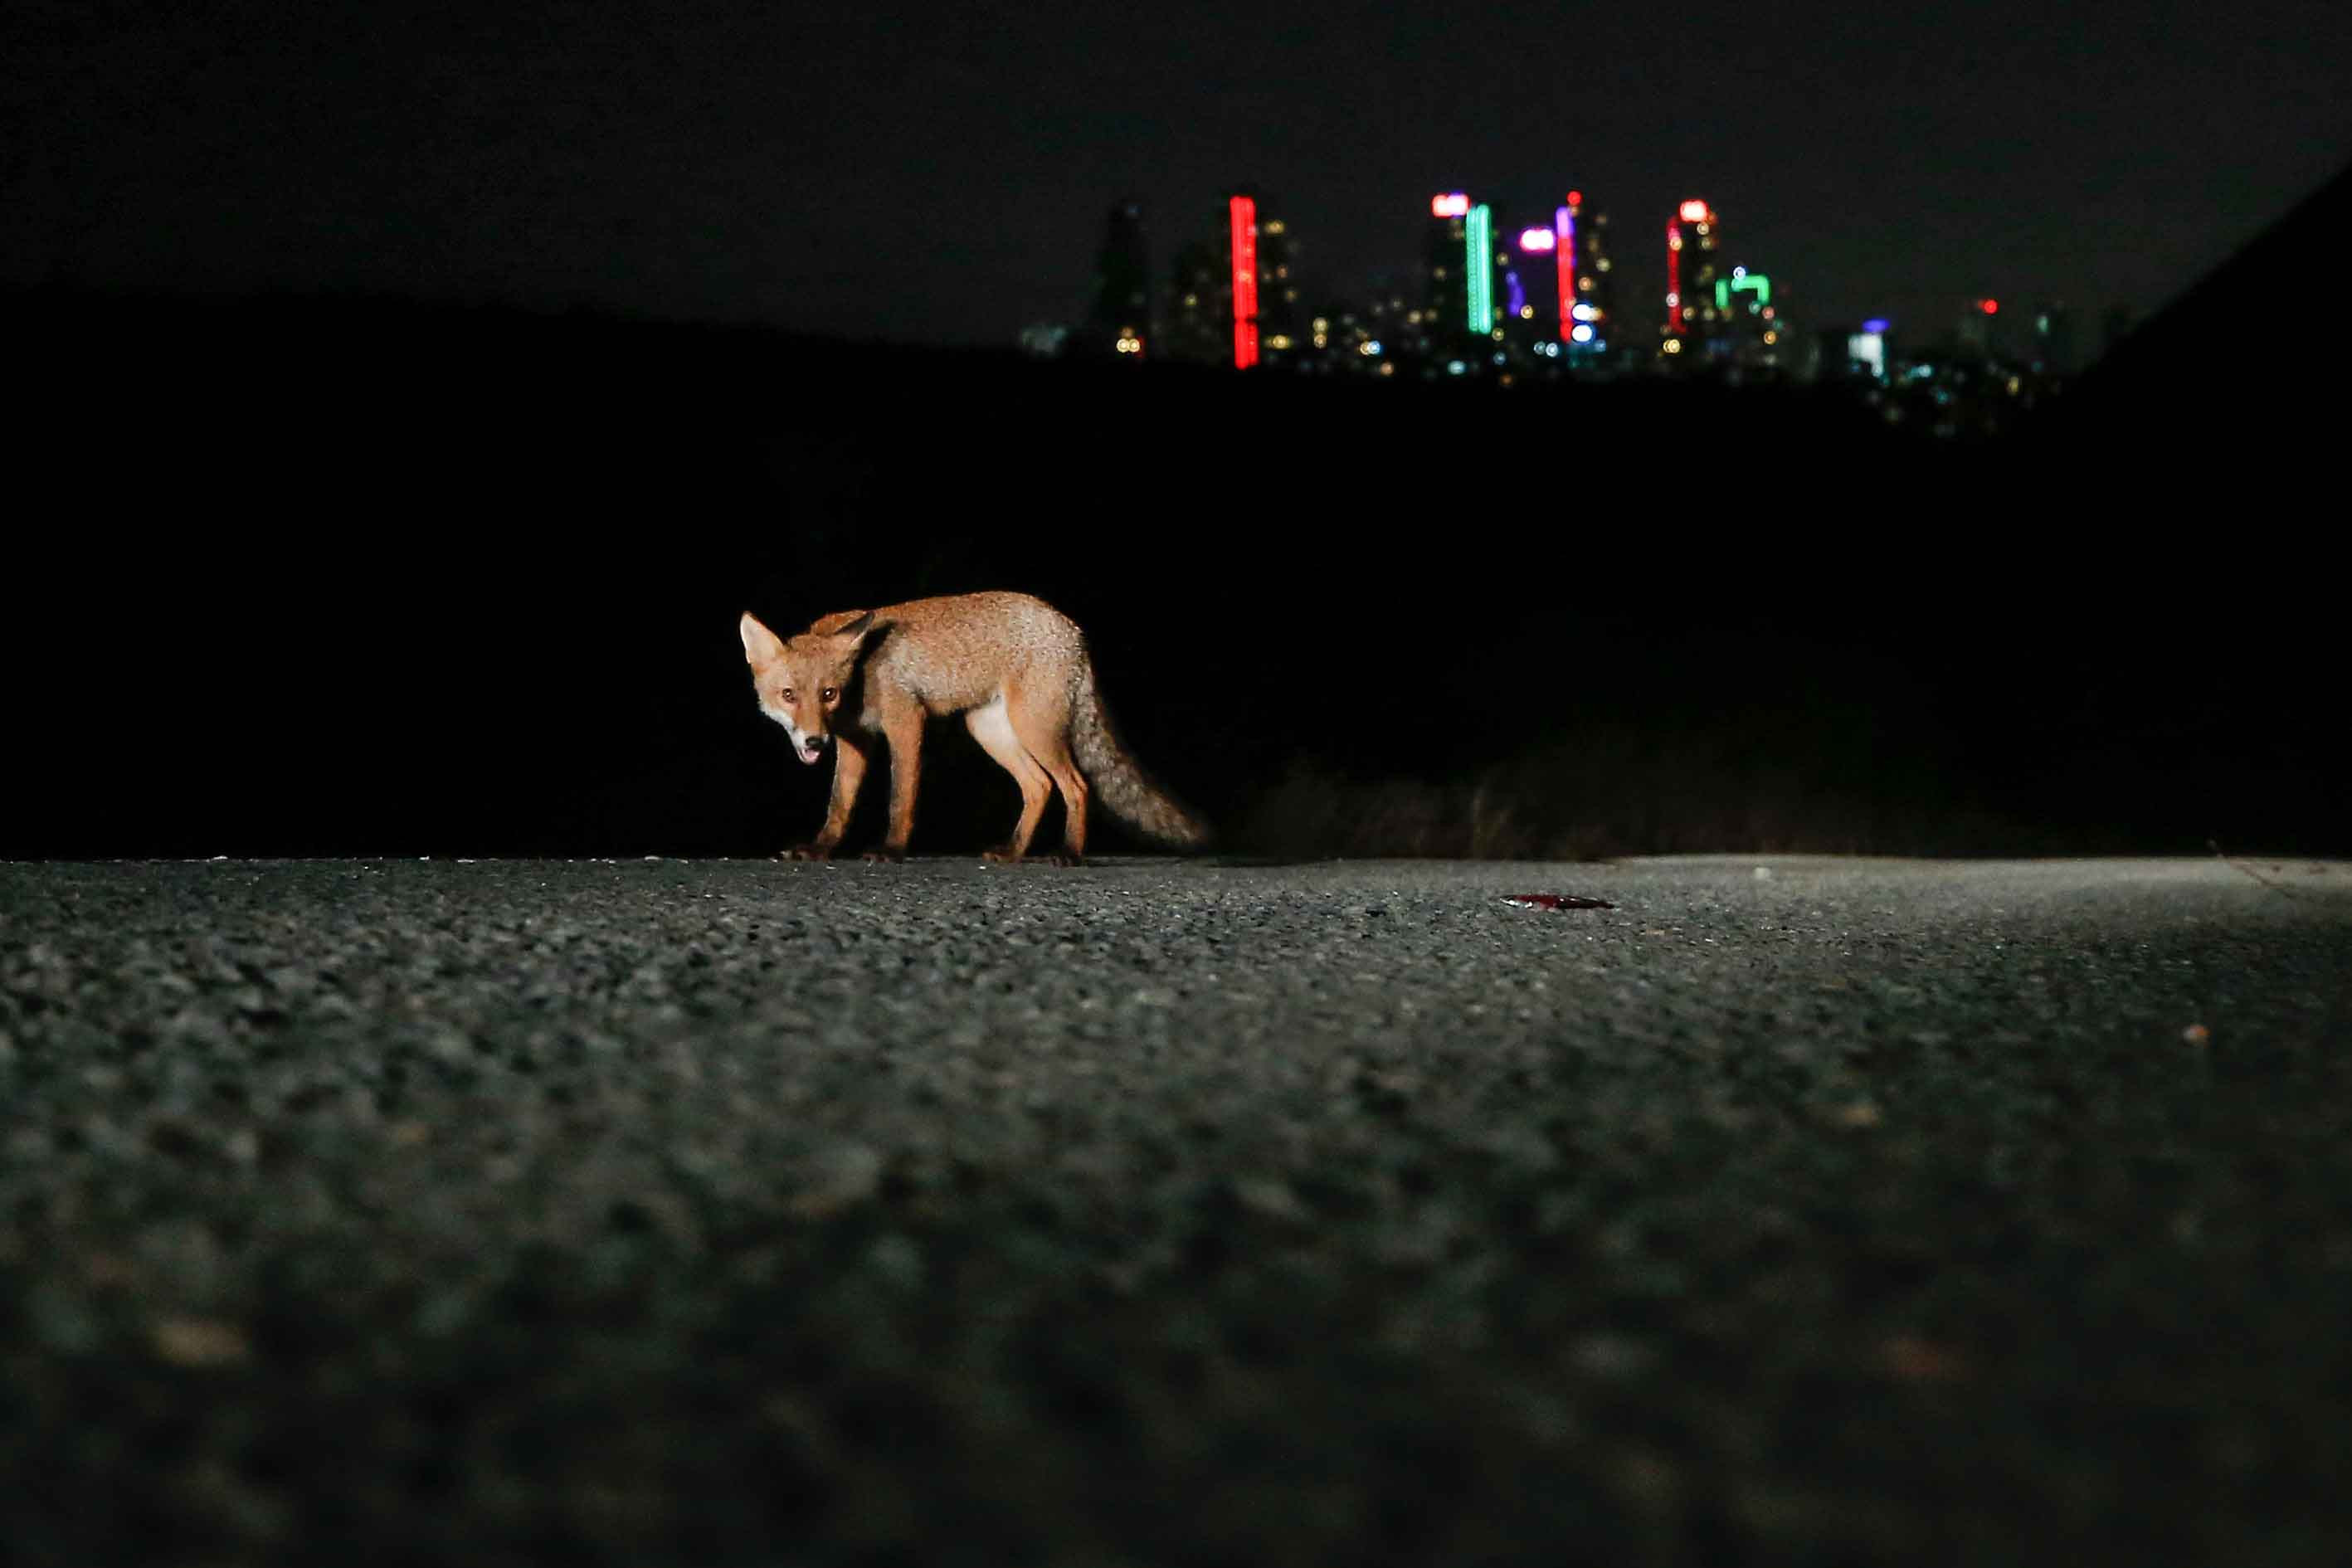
x,y
855,631
759,643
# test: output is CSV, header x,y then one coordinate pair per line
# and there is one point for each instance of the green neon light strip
x,y
1479,247
1756,281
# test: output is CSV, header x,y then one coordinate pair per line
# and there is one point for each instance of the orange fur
x,y
1014,667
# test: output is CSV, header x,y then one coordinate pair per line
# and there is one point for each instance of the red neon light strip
x,y
1244,210
1674,280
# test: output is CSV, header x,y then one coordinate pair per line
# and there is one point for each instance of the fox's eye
x,y
831,692
787,695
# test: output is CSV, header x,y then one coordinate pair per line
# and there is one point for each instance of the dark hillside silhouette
x,y
2232,372
349,577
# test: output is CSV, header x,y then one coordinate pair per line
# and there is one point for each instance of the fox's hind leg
x,y
989,727
1043,726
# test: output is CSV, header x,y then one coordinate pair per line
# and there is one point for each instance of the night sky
x,y
942,176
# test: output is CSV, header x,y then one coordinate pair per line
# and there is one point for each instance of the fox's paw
x,y
1009,857
884,857
807,852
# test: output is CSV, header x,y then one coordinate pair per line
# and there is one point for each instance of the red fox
x,y
1014,667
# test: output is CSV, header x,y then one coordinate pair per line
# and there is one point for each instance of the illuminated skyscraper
x,y
1441,327
1542,326
1748,329
1478,264
1235,300
1854,353
1588,301
1261,288
1493,296
1119,322
1694,239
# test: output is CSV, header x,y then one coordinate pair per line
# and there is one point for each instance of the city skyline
x,y
1546,292
1645,280
939,178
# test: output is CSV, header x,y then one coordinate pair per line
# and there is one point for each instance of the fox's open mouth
x,y
811,754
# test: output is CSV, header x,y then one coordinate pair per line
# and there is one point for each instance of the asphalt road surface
x,y
1154,1211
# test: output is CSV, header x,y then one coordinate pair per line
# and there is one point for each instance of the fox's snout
x,y
808,744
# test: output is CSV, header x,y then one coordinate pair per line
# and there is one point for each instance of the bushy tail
x,y
1120,781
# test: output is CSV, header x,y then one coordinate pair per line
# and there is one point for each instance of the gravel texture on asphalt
x,y
1159,1212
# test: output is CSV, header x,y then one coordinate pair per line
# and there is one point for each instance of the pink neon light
x,y
1244,212
1564,221
1538,239
1695,212
1454,203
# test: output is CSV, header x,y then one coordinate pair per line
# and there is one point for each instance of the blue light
x,y
1875,324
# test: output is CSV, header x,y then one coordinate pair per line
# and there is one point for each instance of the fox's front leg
x,y
905,734
848,774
